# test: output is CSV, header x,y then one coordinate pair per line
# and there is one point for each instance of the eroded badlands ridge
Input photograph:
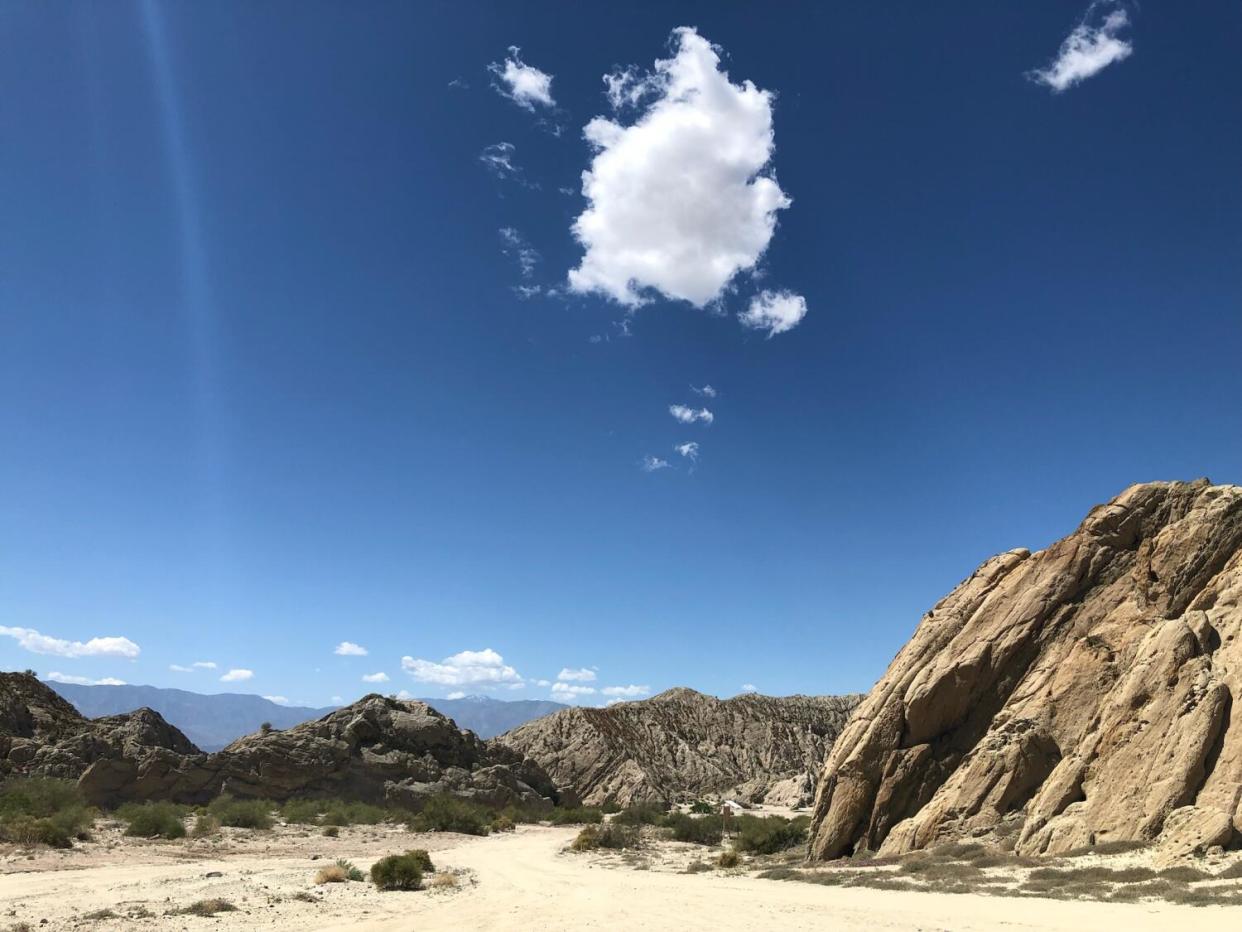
x,y
682,743
1081,694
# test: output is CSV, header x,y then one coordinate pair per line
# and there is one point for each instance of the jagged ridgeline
x,y
378,750
1079,695
682,744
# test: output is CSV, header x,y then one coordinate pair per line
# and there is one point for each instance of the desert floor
x,y
523,880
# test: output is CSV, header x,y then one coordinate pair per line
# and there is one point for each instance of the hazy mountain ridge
x,y
213,720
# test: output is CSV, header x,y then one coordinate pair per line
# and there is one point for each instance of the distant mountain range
x,y
212,721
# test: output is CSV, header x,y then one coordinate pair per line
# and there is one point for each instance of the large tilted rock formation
x,y
1081,694
377,750
681,744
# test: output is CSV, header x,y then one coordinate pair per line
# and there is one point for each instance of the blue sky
x,y
268,384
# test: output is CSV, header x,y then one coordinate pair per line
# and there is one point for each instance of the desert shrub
x,y
422,859
579,816
242,813
331,831
779,873
450,814
641,814
43,811
729,859
207,908
1232,872
330,874
940,871
523,815
697,867
351,872
958,851
205,824
398,872
153,820
301,811
1183,874
699,807
337,812
610,807
502,823
770,835
609,836
699,830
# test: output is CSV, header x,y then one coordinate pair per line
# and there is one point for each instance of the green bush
x,y
579,816
242,813
301,811
729,859
769,835
349,870
610,807
153,820
699,830
337,812
450,814
502,823
610,836
641,814
699,807
43,811
398,872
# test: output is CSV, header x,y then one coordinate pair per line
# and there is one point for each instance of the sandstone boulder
x,y
1086,690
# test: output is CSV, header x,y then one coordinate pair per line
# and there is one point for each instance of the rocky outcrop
x,y
682,744
41,733
1085,692
377,750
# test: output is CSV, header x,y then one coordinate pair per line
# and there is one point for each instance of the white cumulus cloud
x,y
83,680
569,690
380,677
1091,46
523,84
580,675
456,694
680,200
688,415
463,669
36,643
774,311
237,675
626,692
349,649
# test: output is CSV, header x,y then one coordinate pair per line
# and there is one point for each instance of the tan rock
x,y
1087,688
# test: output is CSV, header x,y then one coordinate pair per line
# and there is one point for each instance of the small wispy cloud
x,y
774,311
349,649
456,694
689,450
279,700
653,464
178,668
498,159
83,680
580,675
524,84
626,692
706,391
375,677
688,415
570,690
237,675
749,688
515,245
1091,46
204,664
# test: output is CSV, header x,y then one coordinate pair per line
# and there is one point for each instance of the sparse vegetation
x,y
729,858
450,814
332,812
206,908
399,871
1232,872
700,807
153,820
641,814
697,867
340,872
610,835
205,824
331,831
242,813
770,835
579,816
502,823
444,880
43,811
699,830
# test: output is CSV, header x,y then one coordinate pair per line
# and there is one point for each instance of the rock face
x,y
41,733
376,750
1081,694
682,744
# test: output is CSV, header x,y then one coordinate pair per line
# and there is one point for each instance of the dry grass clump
x,y
444,880
728,859
697,867
331,874
610,835
206,908
205,825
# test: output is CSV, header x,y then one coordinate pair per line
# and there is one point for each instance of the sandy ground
x,y
525,880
